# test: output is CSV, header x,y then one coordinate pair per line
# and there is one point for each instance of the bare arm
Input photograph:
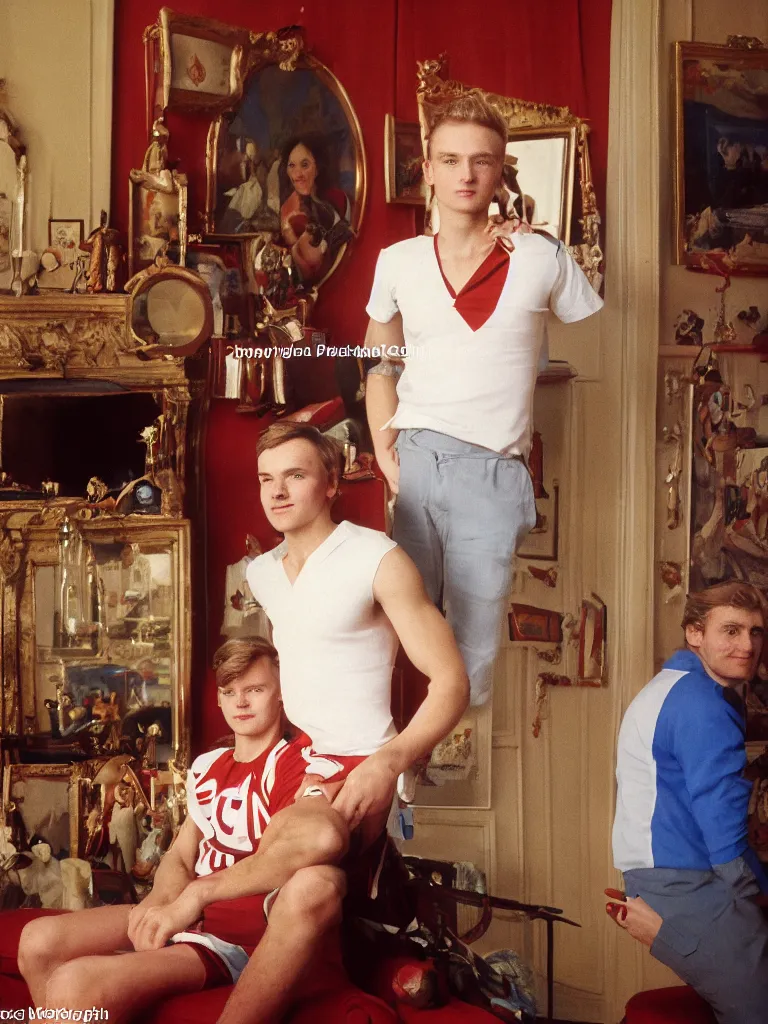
x,y
177,866
429,643
305,834
381,396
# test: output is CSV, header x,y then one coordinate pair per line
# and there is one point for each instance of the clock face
x,y
144,494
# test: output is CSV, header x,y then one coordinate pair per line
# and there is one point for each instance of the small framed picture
x,y
65,235
542,543
403,160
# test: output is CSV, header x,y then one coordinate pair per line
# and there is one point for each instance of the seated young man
x,y
207,910
680,833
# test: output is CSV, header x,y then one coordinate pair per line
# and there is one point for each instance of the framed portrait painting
x,y
288,164
403,162
722,157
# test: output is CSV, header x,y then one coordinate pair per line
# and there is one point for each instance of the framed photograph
x,y
543,542
287,165
721,194
458,773
403,162
528,624
65,235
223,270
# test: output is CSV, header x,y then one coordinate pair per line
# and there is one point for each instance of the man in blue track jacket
x,y
680,832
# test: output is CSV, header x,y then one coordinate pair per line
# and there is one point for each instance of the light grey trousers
x,y
714,936
461,511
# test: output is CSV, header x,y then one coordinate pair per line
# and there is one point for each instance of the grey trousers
x,y
714,937
461,511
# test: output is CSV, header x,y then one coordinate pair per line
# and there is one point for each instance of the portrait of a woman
x,y
314,218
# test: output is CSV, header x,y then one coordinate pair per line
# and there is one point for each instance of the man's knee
x,y
74,984
311,825
40,942
314,894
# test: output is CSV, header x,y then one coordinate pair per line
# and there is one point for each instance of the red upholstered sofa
x,y
341,1006
678,1005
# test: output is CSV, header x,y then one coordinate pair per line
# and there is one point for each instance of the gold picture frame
x,y
74,776
716,158
279,57
403,160
527,120
201,62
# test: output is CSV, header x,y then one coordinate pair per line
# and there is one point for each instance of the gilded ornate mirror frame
x,y
29,540
525,119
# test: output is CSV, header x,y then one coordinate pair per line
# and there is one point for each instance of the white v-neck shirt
x,y
336,646
478,385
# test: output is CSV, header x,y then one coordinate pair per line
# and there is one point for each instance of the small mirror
x,y
544,166
171,312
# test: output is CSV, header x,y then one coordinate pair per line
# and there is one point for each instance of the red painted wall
x,y
550,51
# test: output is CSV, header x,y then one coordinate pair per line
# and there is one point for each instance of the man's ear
x,y
332,490
694,635
427,168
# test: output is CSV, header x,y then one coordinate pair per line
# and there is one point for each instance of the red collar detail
x,y
479,297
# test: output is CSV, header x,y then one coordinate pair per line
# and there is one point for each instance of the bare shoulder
x,y
397,575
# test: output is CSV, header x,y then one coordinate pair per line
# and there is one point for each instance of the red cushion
x,y
346,1006
13,993
455,1012
678,1005
11,924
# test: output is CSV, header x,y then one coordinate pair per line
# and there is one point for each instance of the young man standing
x,y
452,434
339,598
244,837
680,832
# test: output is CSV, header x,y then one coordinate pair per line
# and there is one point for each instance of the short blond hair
x,y
733,594
329,450
469,109
233,659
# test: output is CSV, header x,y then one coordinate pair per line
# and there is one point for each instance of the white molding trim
x,y
633,203
102,73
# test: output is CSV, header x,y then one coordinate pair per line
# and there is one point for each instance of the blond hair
x,y
469,109
233,659
734,594
280,433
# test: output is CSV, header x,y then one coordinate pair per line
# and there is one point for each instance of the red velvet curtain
x,y
551,51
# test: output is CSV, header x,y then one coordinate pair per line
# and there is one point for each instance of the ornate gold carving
x,y
77,335
283,48
745,42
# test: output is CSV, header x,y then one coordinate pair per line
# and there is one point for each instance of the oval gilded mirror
x,y
171,312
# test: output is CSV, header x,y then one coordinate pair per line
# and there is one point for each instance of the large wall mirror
x,y
547,154
104,656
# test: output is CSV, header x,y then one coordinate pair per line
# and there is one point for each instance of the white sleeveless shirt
x,y
336,646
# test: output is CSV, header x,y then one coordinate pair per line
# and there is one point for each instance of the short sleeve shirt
x,y
472,359
232,802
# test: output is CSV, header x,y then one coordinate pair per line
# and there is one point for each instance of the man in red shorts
x,y
208,908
